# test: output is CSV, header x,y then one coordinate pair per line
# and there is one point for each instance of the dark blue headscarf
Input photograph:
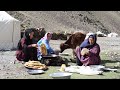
x,y
86,44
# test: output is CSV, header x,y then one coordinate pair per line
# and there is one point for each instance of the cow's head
x,y
38,34
63,46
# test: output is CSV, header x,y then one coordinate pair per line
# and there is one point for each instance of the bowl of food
x,y
61,75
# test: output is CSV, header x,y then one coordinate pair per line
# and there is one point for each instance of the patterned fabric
x,y
25,51
93,58
86,44
44,41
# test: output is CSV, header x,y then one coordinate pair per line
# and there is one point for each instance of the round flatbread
x,y
35,65
84,51
43,49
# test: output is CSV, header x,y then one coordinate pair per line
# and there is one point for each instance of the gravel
x,y
9,70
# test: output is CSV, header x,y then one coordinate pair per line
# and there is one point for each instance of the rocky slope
x,y
104,21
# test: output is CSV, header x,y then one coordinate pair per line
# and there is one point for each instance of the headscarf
x,y
27,37
45,36
43,39
86,44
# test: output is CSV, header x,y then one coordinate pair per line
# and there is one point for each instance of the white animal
x,y
112,35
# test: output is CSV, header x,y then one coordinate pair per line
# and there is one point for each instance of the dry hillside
x,y
104,21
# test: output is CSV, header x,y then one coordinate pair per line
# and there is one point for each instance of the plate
x,y
64,54
49,56
33,72
54,55
36,68
61,75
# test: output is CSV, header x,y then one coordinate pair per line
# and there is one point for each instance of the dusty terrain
x,y
104,21
9,70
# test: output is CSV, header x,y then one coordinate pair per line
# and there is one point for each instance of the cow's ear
x,y
61,45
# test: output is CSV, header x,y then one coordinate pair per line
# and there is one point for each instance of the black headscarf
x,y
86,44
27,38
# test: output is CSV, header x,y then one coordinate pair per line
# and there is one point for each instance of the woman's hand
x,y
34,45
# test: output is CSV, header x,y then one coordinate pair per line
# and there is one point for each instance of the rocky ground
x,y
104,21
9,70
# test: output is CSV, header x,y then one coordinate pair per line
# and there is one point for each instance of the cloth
x,y
25,51
86,44
44,41
93,58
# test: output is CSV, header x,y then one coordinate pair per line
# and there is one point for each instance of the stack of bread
x,y
35,65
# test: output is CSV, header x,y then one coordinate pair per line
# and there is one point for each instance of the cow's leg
x,y
73,59
74,54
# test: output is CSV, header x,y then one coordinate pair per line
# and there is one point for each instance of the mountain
x,y
89,21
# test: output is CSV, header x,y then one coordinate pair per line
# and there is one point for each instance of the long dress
x,y
46,43
92,59
26,52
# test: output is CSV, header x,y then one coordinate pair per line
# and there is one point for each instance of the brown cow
x,y
73,41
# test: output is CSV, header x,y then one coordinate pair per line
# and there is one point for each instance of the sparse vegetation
x,y
104,21
69,21
9,70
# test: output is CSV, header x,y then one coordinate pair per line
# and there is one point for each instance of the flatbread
x,y
35,65
43,49
84,51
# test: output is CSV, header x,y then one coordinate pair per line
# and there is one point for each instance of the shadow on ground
x,y
108,61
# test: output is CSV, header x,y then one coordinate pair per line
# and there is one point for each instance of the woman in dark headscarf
x,y
88,52
26,50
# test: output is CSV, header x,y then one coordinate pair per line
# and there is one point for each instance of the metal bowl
x,y
34,72
61,75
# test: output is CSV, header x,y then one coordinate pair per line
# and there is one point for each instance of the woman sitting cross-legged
x,y
26,49
88,53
